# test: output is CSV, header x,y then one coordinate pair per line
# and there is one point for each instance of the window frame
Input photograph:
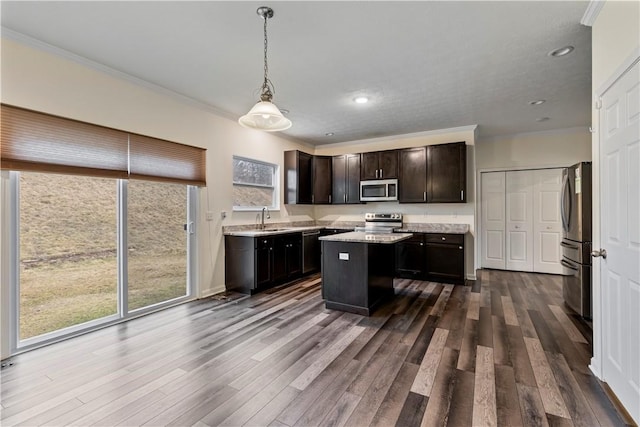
x,y
275,202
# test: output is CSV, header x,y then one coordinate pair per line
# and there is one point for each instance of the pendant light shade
x,y
265,115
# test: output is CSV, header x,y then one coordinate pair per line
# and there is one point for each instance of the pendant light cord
x,y
266,94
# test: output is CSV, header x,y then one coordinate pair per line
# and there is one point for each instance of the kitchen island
x,y
358,270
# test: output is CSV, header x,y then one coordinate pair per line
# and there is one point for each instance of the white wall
x,y
41,81
536,149
456,213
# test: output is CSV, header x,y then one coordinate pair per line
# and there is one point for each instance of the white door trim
x,y
596,360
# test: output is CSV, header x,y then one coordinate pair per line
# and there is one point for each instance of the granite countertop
x,y
270,231
418,227
362,237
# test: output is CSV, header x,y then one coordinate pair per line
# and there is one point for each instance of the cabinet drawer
x,y
263,242
457,239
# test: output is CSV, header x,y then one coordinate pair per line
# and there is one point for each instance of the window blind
x,y
156,159
39,142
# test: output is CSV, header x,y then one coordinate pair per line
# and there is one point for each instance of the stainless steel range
x,y
381,223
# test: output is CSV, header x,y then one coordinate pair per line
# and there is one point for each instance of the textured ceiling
x,y
425,65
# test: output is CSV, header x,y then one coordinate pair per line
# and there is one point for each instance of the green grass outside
x,y
68,272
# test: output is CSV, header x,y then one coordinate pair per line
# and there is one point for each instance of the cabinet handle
x,y
329,198
459,247
376,173
444,238
345,197
424,196
421,244
461,194
380,173
264,241
313,198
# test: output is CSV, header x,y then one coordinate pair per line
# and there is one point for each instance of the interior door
x,y
620,237
493,220
547,225
519,224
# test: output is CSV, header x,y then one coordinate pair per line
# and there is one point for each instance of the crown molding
x,y
563,131
469,128
591,14
97,66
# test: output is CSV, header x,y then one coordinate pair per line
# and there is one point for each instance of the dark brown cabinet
x,y
346,179
445,257
438,257
447,173
321,166
413,175
379,165
410,258
298,178
253,264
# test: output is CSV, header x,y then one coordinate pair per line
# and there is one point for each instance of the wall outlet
x,y
209,216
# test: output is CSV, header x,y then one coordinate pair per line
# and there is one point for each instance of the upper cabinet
x,y
379,165
412,182
447,173
298,182
321,166
346,179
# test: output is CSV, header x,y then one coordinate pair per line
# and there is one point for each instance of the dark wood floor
x,y
503,352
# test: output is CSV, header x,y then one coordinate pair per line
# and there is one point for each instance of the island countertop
x,y
362,237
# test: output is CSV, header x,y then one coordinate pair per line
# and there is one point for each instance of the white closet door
x,y
520,220
547,228
493,220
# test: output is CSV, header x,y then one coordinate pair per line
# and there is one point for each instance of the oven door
x,y
576,287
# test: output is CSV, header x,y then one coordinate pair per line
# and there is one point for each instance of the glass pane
x,y
68,267
157,242
252,196
248,172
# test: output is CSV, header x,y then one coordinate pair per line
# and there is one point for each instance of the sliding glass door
x,y
157,240
71,272
68,272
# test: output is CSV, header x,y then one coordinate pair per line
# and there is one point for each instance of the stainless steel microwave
x,y
380,190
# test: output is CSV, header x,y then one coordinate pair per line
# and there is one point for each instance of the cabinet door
x,y
294,256
279,256
321,180
547,227
339,187
353,179
447,173
369,166
388,164
263,262
410,258
413,175
519,220
445,262
297,177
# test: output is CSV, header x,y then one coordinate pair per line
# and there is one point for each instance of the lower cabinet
x,y
256,263
436,257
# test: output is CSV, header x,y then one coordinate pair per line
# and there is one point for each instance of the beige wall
x,y
537,149
615,34
42,81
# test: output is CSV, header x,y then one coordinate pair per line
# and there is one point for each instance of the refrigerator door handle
x,y
567,245
568,265
564,197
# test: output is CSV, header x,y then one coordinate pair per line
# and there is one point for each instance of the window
x,y
255,184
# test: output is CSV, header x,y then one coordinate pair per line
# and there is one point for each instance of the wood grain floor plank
x,y
467,359
531,407
574,334
484,393
391,406
425,378
510,316
413,410
461,406
549,392
500,341
519,357
439,404
507,405
474,306
342,410
270,411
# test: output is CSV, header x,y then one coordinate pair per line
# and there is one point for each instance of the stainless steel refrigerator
x,y
575,209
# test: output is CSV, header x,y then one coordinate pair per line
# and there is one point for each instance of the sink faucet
x,y
262,217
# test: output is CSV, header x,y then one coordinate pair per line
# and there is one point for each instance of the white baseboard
x,y
206,293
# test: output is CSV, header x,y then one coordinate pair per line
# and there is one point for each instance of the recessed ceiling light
x,y
361,99
537,102
561,51
542,119
328,134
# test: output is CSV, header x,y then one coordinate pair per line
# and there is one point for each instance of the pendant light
x,y
265,115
